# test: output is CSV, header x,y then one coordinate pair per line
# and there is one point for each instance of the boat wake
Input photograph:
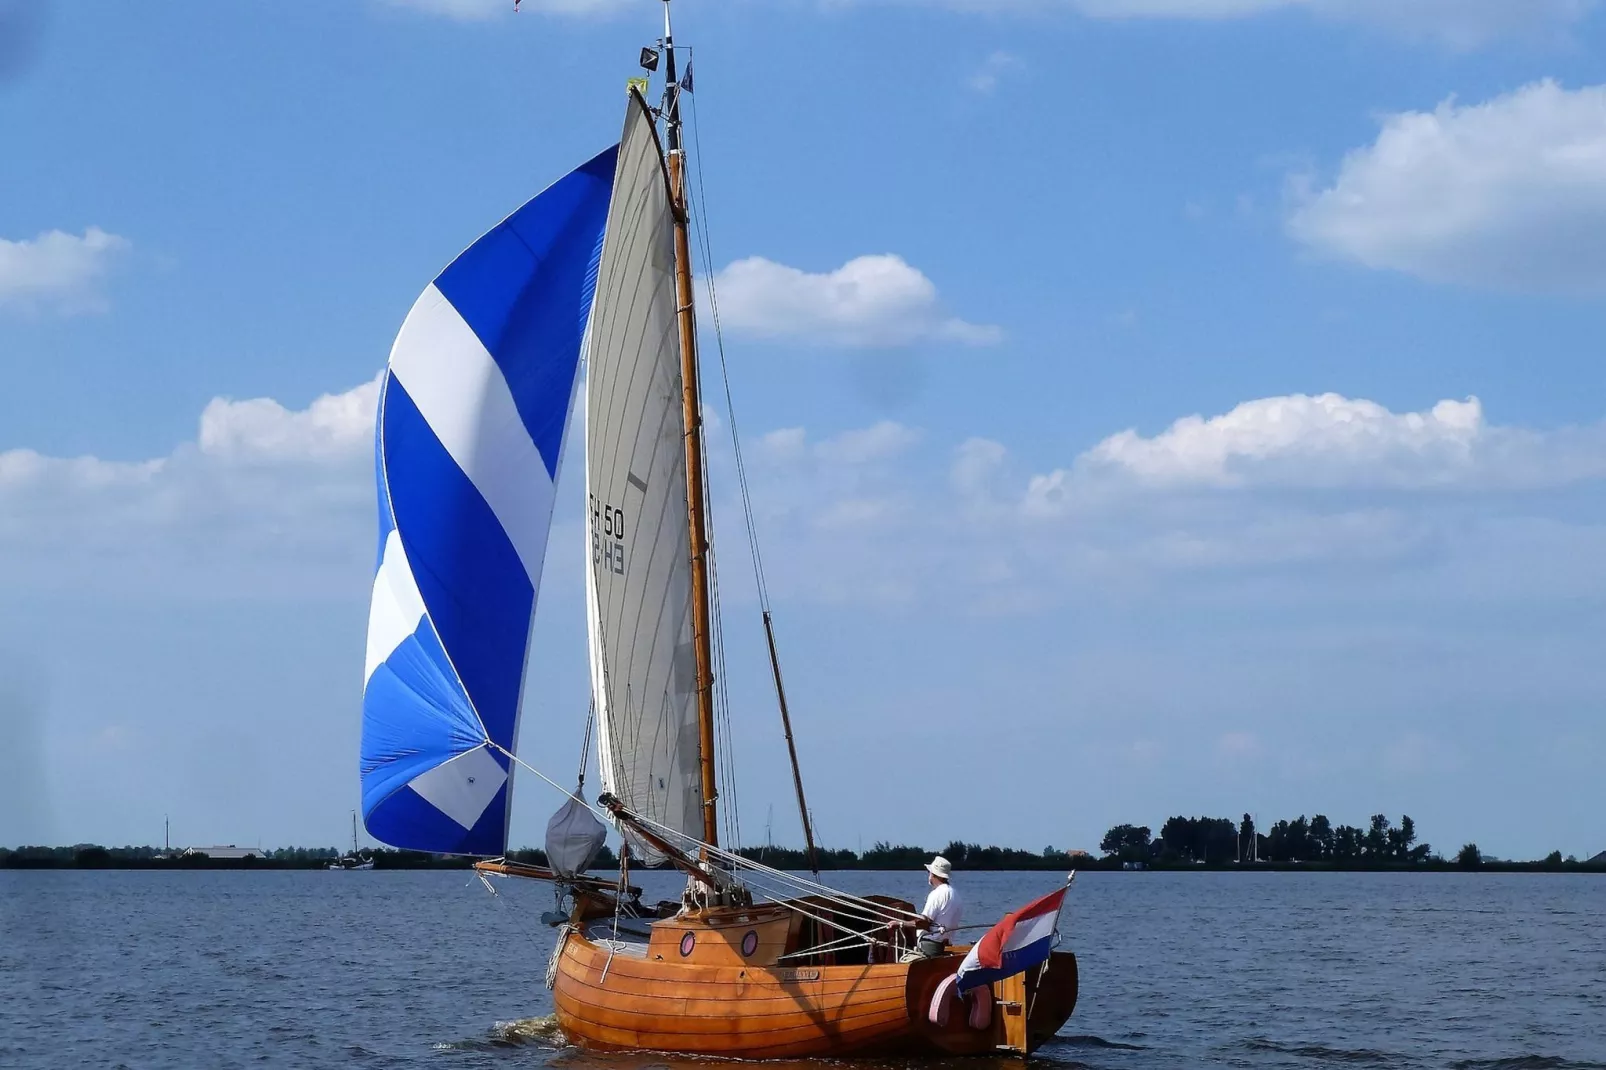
x,y
1322,1052
542,1030
520,1032
1088,1041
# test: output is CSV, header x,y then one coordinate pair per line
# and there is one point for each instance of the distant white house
x,y
230,851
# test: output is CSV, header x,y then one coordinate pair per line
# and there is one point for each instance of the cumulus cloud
x,y
976,466
871,301
1457,23
1275,484
57,270
1323,440
259,485
266,491
1509,193
880,441
332,427
1329,442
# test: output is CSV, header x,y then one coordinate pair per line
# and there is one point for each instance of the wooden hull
x,y
627,1002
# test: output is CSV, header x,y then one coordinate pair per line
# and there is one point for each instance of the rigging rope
x,y
700,223
585,744
845,901
698,213
726,758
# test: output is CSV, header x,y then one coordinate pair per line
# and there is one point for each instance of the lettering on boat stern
x,y
788,975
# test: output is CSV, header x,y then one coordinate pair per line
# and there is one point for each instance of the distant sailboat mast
x,y
692,416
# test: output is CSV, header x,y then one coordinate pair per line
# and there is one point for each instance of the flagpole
x,y
1042,971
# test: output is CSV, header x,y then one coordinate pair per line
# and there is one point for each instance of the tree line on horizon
x,y
882,856
1217,841
1183,842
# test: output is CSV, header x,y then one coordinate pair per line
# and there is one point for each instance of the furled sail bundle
x,y
472,416
638,548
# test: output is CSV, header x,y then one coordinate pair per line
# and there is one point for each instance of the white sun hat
x,y
940,867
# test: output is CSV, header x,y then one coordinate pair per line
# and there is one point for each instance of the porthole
x,y
687,942
749,944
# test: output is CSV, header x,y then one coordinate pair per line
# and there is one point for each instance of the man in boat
x,y
939,918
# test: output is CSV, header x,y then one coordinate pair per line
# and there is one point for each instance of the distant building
x,y
230,851
1598,860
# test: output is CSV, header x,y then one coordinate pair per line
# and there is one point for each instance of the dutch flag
x,y
1022,940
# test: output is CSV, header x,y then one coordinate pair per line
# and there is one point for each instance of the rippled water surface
x,y
409,969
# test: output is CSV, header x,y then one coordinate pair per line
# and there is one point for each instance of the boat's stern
x,y
1016,1015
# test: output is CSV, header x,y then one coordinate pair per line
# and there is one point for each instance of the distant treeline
x,y
1183,843
1313,843
93,856
881,856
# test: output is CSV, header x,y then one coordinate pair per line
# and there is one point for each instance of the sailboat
x,y
584,298
354,860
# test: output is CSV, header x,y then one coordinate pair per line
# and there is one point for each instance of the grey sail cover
x,y
638,549
573,838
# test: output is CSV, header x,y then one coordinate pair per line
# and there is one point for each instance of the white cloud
x,y
57,270
333,426
871,301
1299,439
1460,24
880,441
261,485
785,442
1508,193
976,466
1275,487
1328,442
870,514
1457,23
996,66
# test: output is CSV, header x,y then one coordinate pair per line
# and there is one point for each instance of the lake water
x,y
415,969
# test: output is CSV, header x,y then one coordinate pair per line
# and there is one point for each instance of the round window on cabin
x,y
749,943
687,942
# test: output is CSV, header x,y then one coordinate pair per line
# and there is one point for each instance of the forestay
x,y
472,415
638,549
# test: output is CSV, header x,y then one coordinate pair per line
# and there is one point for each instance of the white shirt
x,y
944,910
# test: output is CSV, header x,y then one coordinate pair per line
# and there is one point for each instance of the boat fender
x,y
942,1002
980,1002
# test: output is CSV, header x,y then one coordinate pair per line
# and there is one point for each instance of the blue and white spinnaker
x,y
472,415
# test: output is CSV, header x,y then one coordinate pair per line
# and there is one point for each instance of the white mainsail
x,y
638,549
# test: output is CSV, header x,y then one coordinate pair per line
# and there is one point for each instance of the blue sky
x,y
1155,406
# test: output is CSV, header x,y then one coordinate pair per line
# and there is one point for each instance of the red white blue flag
x,y
1022,940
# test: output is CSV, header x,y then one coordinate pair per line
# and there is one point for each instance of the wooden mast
x,y
692,417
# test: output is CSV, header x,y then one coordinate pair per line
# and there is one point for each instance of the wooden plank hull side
x,y
737,1012
767,1012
